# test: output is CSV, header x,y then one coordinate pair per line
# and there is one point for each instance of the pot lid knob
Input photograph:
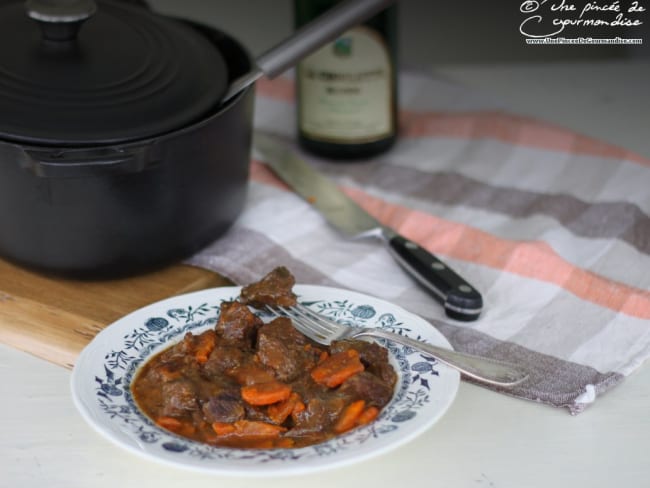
x,y
60,20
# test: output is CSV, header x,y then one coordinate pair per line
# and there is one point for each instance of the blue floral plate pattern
x,y
103,373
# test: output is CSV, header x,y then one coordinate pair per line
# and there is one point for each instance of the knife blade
x,y
460,300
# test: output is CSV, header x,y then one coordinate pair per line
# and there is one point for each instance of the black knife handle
x,y
461,300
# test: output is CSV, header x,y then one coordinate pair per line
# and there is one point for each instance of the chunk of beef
x,y
283,349
227,406
179,350
224,358
274,289
169,370
368,387
251,373
373,356
179,398
237,324
319,415
257,413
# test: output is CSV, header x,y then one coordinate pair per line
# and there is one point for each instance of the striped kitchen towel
x,y
552,227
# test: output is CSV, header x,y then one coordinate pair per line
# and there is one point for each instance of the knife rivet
x,y
465,288
438,266
411,245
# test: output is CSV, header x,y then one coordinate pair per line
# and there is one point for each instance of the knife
x,y
461,300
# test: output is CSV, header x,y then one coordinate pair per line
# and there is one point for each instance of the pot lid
x,y
79,72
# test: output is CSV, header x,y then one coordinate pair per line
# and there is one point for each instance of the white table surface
x,y
606,100
485,439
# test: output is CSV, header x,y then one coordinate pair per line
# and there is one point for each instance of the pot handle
x,y
85,163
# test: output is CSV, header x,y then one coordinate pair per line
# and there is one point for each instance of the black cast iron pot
x,y
124,151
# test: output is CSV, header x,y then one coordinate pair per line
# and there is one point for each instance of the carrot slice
x,y
248,434
257,429
337,368
348,418
175,425
169,423
279,412
223,428
368,415
265,393
298,407
284,442
205,344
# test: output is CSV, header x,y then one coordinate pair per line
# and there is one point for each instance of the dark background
x,y
597,90
431,31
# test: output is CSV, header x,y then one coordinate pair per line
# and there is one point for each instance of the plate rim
x,y
453,378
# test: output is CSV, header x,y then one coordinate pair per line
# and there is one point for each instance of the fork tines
x,y
309,323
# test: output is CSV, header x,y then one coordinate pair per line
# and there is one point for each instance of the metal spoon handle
x,y
320,31
307,39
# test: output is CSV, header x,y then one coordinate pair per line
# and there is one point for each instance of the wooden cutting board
x,y
54,318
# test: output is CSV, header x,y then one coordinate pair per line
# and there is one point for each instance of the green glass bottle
x,y
346,92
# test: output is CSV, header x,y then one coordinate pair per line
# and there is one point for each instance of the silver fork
x,y
324,331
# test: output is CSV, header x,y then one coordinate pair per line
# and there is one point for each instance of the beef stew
x,y
250,384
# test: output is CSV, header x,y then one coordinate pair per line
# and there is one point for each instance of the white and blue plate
x,y
105,369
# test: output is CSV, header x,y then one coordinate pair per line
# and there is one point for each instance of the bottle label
x,y
345,90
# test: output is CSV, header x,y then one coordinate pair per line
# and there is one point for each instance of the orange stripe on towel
x,y
511,129
279,89
531,259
